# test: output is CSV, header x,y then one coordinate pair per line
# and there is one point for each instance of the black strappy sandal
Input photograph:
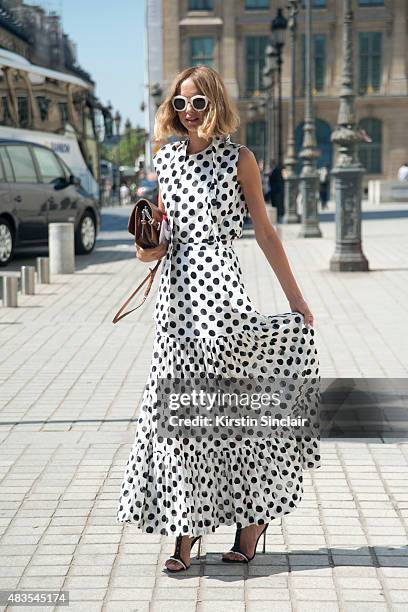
x,y
177,556
236,548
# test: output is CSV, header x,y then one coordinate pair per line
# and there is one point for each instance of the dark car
x,y
38,188
149,189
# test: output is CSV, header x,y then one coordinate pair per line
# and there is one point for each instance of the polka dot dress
x,y
207,326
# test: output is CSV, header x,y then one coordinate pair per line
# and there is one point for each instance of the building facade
x,y
231,36
42,87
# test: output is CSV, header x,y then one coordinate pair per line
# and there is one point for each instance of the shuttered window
x,y
370,65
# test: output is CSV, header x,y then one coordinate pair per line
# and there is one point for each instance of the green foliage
x,y
131,145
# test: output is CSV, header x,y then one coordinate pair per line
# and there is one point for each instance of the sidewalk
x,y
71,382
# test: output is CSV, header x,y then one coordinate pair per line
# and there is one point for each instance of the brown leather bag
x,y
144,223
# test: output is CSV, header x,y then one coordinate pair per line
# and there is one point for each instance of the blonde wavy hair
x,y
221,117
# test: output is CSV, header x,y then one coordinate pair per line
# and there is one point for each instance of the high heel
x,y
237,549
177,556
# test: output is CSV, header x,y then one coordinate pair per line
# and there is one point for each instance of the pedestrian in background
x,y
124,194
403,173
324,183
276,189
264,179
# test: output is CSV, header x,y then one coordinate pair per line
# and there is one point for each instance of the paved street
x,y
71,384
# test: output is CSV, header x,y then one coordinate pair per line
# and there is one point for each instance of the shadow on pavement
x,y
275,563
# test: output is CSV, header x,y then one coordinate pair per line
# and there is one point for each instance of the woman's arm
x,y
250,179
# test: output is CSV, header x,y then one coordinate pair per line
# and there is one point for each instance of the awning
x,y
13,60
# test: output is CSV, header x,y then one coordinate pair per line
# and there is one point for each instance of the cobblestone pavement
x,y
71,383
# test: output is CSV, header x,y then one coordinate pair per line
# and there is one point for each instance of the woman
x,y
206,324
324,184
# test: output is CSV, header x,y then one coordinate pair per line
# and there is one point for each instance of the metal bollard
x,y
10,284
27,280
43,270
61,247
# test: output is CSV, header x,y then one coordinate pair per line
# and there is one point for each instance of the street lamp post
x,y
270,118
348,172
263,112
108,117
309,178
117,119
270,68
128,132
257,108
100,135
278,27
291,178
156,94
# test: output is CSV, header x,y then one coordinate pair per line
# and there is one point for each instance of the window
x,y
255,62
202,50
67,171
318,62
370,153
256,138
256,4
7,120
200,5
63,109
371,2
370,51
22,163
22,104
50,169
43,105
8,170
315,3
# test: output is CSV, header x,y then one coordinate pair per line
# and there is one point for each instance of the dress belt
x,y
210,241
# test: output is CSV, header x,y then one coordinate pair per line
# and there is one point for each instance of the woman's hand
x,y
152,254
299,305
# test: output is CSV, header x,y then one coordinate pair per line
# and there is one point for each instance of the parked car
x,y
38,188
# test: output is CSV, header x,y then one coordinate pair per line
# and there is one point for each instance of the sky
x,y
110,46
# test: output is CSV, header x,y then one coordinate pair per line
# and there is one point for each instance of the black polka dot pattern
x,y
206,325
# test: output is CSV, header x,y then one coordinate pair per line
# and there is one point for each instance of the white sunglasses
x,y
199,102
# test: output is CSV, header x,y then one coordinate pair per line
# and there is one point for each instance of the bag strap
x,y
149,277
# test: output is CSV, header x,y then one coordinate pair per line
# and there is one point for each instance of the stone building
x,y
231,36
12,34
42,87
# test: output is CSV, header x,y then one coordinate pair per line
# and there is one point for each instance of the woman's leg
x,y
185,554
247,541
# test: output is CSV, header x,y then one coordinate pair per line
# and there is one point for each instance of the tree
x,y
131,145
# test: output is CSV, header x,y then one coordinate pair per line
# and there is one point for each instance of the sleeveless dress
x,y
206,324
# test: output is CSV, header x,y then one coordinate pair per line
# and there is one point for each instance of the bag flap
x,y
132,222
